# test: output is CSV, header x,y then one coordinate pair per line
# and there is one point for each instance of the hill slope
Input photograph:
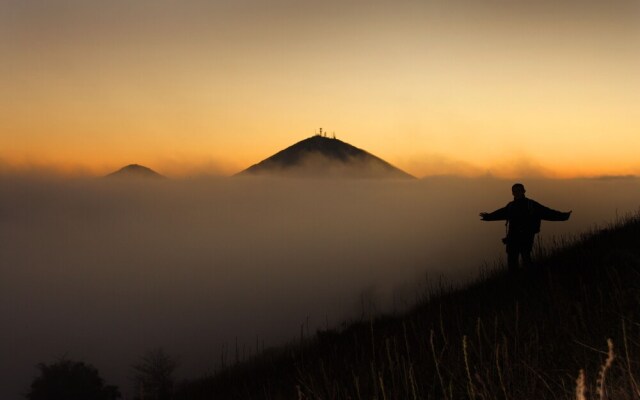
x,y
525,335
320,156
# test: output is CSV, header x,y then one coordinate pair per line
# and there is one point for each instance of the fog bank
x,y
102,270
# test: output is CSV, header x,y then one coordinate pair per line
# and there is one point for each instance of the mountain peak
x,y
135,171
321,156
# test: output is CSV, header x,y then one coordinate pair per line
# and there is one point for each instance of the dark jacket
x,y
525,215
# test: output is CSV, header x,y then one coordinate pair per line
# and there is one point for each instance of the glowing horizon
x,y
506,88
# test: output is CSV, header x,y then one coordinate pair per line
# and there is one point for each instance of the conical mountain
x,y
321,156
135,171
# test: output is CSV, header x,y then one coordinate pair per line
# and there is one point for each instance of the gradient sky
x,y
507,87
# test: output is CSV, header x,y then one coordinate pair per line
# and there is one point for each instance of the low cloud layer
x,y
102,271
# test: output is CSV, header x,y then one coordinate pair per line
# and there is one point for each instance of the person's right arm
x,y
498,215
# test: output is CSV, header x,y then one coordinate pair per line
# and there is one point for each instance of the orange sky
x,y
506,87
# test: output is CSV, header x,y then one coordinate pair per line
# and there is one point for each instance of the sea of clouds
x,y
102,270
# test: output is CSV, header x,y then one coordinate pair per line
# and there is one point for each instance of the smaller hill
x,y
135,171
321,156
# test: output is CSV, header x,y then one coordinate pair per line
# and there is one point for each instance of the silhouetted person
x,y
523,217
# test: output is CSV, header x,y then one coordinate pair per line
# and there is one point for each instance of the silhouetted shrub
x,y
70,380
154,375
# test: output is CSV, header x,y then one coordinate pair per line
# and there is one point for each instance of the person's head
x,y
518,191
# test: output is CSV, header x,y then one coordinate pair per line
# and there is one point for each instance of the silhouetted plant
x,y
154,375
70,380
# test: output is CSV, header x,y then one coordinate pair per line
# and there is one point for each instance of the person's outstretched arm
x,y
549,214
497,215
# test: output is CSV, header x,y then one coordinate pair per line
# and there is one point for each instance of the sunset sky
x,y
507,87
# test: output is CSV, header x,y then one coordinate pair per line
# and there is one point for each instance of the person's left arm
x,y
548,214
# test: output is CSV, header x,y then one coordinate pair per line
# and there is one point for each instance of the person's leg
x,y
512,260
514,249
526,259
527,247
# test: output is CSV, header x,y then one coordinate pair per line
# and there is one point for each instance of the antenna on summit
x,y
323,133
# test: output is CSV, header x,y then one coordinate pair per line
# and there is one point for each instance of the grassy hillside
x,y
569,329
